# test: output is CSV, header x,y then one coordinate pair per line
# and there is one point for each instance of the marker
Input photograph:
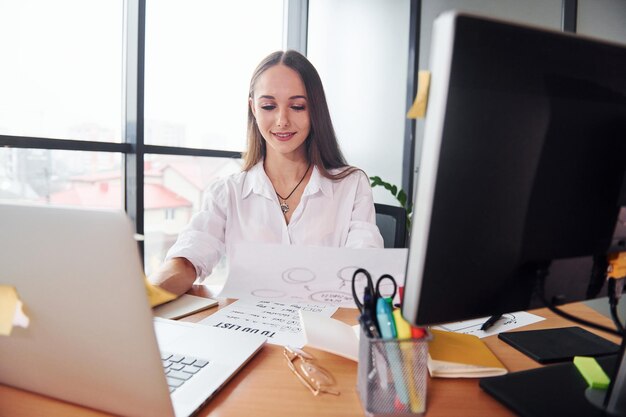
x,y
416,403
388,331
405,330
417,332
384,316
402,326
490,322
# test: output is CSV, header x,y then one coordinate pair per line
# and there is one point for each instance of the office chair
x,y
391,221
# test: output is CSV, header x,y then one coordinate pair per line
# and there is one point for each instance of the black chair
x,y
391,221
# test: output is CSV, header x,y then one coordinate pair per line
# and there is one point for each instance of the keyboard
x,y
180,369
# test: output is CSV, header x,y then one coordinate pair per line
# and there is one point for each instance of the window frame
x,y
133,147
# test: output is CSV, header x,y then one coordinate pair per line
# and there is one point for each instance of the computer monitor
x,y
522,167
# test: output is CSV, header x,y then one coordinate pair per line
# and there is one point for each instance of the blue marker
x,y
387,328
384,315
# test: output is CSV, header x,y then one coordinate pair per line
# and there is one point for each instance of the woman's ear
x,y
251,104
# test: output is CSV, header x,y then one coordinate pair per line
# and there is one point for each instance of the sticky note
x,y
11,310
157,295
418,109
592,372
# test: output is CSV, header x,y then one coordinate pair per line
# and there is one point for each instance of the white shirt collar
x,y
257,181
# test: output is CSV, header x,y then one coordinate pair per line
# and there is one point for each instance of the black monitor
x,y
522,171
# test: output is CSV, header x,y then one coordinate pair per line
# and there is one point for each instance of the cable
x,y
542,274
616,274
615,288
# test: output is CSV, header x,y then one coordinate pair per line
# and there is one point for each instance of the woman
x,y
295,188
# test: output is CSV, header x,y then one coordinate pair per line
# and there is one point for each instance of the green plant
x,y
398,193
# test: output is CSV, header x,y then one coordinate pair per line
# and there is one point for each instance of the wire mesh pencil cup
x,y
391,378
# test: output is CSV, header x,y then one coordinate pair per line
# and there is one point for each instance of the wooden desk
x,y
266,387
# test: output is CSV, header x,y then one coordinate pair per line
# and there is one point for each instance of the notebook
x,y
458,355
92,338
183,306
560,344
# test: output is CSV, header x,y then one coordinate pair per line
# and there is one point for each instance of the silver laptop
x,y
92,338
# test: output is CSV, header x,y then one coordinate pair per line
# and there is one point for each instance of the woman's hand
x,y
177,275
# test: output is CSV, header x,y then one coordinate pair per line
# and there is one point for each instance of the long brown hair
x,y
322,147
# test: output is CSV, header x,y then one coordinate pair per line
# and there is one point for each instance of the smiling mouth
x,y
283,136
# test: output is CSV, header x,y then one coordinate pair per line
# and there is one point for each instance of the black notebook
x,y
550,391
559,345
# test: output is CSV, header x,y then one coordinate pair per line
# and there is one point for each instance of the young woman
x,y
295,188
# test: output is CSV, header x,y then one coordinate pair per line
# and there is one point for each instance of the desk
x,y
266,387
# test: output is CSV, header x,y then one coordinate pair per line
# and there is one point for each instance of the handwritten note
x,y
507,322
307,274
278,321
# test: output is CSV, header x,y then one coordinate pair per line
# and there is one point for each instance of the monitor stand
x,y
559,390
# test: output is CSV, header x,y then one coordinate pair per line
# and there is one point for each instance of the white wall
x,y
545,13
360,48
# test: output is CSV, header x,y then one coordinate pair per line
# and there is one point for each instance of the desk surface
x,y
266,387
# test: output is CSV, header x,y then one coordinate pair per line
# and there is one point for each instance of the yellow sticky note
x,y
157,295
11,313
418,109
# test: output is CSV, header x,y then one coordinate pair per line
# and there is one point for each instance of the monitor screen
x,y
520,182
522,166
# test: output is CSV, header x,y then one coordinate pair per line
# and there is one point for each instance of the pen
x,y
369,326
369,308
490,322
416,403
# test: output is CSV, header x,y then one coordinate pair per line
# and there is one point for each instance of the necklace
x,y
283,200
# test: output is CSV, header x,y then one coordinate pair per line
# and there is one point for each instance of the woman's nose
x,y
282,119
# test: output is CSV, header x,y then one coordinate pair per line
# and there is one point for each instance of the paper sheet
x,y
330,335
508,322
307,274
279,322
11,311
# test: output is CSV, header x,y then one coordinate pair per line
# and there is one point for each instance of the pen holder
x,y
391,378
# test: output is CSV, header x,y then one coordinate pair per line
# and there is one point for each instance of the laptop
x,y
92,338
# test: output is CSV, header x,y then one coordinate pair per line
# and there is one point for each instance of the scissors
x,y
371,295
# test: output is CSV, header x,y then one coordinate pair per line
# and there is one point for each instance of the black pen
x,y
369,326
490,322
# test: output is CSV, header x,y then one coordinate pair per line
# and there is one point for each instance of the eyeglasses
x,y
313,376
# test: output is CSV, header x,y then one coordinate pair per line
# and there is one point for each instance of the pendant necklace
x,y
283,200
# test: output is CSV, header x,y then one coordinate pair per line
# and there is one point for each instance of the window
x,y
78,108
173,189
196,96
63,102
199,58
61,71
65,178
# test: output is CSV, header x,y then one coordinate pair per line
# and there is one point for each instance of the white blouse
x,y
243,207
